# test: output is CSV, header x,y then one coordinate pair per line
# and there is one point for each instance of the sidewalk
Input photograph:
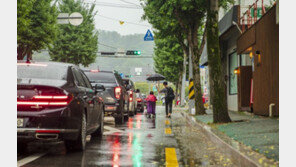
x,y
260,133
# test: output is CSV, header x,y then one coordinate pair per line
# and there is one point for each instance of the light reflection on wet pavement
x,y
140,142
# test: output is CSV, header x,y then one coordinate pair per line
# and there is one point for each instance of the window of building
x,y
232,76
245,60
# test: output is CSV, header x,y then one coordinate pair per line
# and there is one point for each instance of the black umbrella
x,y
155,77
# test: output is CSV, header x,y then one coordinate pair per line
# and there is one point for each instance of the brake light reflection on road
x,y
116,152
137,150
138,125
130,123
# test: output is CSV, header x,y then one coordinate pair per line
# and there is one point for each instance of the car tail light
x,y
39,101
139,100
42,101
117,92
131,96
94,71
47,131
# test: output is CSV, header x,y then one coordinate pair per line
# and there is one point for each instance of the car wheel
x,y
80,143
100,130
119,120
126,117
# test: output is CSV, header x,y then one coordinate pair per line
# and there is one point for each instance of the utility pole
x,y
183,80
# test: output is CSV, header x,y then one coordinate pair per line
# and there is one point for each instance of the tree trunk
x,y
184,72
217,89
29,55
193,46
21,52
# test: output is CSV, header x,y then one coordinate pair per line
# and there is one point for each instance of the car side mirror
x,y
99,88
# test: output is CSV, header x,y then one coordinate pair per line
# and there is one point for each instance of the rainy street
x,y
141,141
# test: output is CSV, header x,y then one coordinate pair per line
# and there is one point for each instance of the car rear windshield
x,y
101,77
43,71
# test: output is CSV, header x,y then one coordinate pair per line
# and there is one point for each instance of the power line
x,y
130,3
115,5
124,21
114,56
107,46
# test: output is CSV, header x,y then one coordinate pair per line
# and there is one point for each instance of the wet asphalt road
x,y
139,142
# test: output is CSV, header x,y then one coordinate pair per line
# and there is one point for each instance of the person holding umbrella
x,y
169,97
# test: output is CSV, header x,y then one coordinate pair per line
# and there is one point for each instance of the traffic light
x,y
133,52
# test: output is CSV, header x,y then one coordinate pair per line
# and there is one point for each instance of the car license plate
x,y
20,122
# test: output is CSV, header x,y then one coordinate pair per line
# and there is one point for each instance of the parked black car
x,y
115,96
55,101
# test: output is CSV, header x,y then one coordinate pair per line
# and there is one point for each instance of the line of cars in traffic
x,y
60,101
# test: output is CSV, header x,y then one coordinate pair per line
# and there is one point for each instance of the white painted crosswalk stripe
x,y
29,159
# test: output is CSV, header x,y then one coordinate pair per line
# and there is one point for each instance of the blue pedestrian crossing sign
x,y
148,36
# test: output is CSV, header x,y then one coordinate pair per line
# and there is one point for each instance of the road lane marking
x,y
167,122
29,159
168,131
171,157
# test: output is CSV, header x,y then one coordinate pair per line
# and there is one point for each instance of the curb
x,y
235,154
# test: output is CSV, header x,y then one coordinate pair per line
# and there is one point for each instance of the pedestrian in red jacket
x,y
151,104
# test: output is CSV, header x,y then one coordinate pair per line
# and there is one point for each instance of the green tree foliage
x,y
181,18
76,44
168,58
36,24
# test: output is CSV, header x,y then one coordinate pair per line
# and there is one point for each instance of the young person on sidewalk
x,y
169,97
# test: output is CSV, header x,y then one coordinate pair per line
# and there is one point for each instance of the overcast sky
x,y
107,17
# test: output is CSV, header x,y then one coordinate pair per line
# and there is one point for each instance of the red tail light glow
x,y
139,100
50,97
44,101
47,131
131,96
117,92
94,71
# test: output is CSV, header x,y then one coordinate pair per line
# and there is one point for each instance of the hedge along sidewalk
x,y
259,133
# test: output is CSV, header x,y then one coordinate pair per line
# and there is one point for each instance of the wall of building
x,y
228,47
266,73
